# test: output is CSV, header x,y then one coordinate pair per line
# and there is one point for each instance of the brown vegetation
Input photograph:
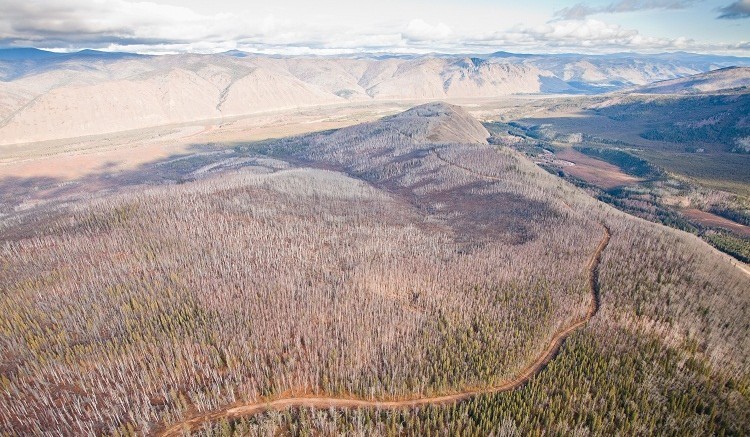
x,y
594,171
708,219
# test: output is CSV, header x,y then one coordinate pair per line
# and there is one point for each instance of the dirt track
x,y
237,411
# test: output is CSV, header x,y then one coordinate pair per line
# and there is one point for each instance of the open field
x,y
706,153
74,158
594,171
709,219
720,171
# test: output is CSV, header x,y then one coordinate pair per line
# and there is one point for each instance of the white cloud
x,y
116,21
588,35
151,27
420,30
588,30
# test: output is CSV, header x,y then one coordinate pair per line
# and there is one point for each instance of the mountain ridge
x,y
89,92
723,79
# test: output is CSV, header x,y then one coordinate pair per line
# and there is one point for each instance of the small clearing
x,y
594,171
708,219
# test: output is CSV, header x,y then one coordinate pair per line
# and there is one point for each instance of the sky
x,y
392,26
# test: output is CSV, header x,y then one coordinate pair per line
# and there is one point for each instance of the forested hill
x,y
399,259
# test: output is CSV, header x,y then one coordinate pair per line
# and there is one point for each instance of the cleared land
x,y
593,170
106,154
714,220
75,158
702,144
658,166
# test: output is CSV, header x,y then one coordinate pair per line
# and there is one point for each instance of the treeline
x,y
736,246
715,133
628,162
714,121
739,216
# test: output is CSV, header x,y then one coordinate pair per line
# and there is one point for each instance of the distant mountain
x,y
26,54
100,55
510,55
236,53
19,62
32,54
45,95
618,71
730,78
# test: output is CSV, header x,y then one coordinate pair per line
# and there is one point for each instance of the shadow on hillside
x,y
20,196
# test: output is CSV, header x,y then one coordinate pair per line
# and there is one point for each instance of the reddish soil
x,y
708,219
596,172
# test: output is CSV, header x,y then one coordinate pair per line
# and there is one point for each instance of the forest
x,y
385,261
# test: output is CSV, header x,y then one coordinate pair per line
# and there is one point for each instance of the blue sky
x,y
406,26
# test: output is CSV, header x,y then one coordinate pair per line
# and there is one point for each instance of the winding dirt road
x,y
321,402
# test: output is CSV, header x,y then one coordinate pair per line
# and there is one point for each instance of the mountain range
x,y
46,95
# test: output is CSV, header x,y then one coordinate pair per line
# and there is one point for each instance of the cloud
x,y
589,35
95,23
574,33
151,27
580,11
738,9
419,30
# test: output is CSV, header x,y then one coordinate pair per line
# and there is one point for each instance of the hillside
x,y
725,79
400,259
